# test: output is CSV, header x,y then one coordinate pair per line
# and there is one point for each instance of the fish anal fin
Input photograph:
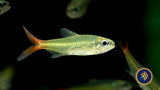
x,y
67,33
55,54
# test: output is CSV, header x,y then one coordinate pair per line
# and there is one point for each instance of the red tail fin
x,y
124,48
32,48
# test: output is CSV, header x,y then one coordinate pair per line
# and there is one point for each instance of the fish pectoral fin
x,y
55,54
67,33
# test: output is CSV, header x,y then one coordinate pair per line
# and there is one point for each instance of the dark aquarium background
x,y
134,21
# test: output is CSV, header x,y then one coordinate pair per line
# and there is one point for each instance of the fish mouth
x,y
113,44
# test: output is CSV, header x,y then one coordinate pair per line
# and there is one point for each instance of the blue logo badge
x,y
144,76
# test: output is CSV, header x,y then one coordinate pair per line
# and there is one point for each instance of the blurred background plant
x,y
152,32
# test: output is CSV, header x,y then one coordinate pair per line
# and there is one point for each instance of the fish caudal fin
x,y
27,52
32,48
124,48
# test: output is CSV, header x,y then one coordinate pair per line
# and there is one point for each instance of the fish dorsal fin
x,y
66,32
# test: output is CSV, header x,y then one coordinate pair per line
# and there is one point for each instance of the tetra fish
x,y
134,66
4,6
77,8
105,84
71,44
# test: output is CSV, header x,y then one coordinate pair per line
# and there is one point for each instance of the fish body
x,y
77,8
75,45
134,66
4,6
71,44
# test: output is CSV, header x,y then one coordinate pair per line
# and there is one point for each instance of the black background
x,y
119,20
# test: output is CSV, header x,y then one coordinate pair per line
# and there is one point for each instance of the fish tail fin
x,y
32,48
124,48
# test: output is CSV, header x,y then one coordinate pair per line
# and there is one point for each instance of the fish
x,y
105,84
6,77
71,44
4,6
134,66
77,8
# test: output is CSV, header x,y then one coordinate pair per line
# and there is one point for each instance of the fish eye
x,y
104,42
1,4
75,9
